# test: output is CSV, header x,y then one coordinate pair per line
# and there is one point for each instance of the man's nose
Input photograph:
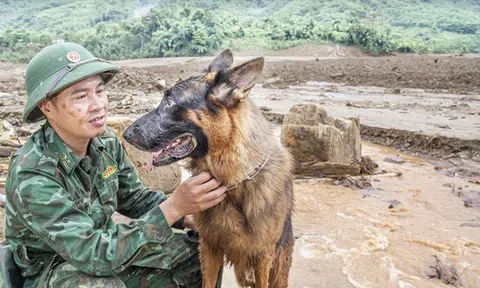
x,y
98,102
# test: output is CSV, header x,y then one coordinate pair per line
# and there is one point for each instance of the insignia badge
x,y
73,56
109,172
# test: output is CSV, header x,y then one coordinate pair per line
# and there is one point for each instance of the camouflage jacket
x,y
59,208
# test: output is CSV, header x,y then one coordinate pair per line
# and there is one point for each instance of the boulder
x,y
322,145
9,142
165,178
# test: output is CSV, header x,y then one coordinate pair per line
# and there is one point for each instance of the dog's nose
x,y
128,134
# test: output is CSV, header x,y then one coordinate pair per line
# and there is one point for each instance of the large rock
x,y
165,178
320,144
9,142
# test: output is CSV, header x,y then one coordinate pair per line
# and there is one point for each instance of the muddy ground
x,y
425,105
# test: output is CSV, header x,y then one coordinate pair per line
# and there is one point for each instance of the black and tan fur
x,y
252,227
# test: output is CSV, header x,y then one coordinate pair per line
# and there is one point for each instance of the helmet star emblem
x,y
73,56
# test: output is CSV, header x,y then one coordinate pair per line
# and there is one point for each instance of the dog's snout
x,y
129,134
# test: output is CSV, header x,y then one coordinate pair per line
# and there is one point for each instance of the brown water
x,y
349,238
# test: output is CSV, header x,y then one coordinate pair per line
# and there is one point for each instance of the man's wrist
x,y
171,214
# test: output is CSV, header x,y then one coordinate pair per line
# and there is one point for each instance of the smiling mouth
x,y
178,148
97,119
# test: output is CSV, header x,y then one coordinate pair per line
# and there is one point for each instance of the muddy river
x,y
350,238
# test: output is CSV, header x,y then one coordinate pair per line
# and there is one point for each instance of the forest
x,y
125,29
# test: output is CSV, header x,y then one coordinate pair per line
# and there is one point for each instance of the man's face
x,y
80,111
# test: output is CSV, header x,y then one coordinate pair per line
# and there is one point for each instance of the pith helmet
x,y
55,68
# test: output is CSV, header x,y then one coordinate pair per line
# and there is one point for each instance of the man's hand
x,y
196,194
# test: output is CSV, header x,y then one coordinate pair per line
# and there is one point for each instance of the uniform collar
x,y
66,157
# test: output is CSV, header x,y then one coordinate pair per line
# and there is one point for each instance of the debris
x,y
350,104
446,274
359,183
21,131
367,165
337,75
160,84
470,202
394,203
470,224
7,151
442,126
10,143
395,159
392,91
273,98
451,172
265,108
476,181
270,82
274,117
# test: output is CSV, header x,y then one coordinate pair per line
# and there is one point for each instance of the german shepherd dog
x,y
211,120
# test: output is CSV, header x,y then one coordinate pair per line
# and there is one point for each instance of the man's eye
x,y
100,91
79,97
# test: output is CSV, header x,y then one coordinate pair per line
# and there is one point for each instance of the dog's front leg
x,y
211,261
262,271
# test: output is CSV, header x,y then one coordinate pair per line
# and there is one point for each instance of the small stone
x,y
337,75
451,172
395,159
160,84
394,203
23,132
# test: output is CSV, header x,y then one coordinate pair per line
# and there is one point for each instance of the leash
x,y
251,175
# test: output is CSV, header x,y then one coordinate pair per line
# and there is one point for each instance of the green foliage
x,y
121,29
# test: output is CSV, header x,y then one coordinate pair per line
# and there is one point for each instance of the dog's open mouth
x,y
178,148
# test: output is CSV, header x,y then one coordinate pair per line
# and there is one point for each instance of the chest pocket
x,y
106,182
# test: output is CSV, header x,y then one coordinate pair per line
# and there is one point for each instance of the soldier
x,y
65,183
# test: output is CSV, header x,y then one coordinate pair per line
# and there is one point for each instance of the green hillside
x,y
121,29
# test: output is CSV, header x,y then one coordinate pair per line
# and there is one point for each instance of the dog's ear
x,y
221,62
236,83
244,77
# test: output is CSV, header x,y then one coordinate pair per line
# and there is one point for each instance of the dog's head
x,y
196,114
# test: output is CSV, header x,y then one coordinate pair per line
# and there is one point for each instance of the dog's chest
x,y
227,226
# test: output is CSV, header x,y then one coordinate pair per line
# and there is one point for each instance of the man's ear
x,y
221,62
46,107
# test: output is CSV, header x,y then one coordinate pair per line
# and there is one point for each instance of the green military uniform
x,y
59,219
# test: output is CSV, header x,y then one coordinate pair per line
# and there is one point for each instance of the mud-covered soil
x,y
427,105
388,233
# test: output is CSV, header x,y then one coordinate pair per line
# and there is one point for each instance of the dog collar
x,y
251,175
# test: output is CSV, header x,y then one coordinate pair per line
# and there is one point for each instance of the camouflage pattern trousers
x,y
185,272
